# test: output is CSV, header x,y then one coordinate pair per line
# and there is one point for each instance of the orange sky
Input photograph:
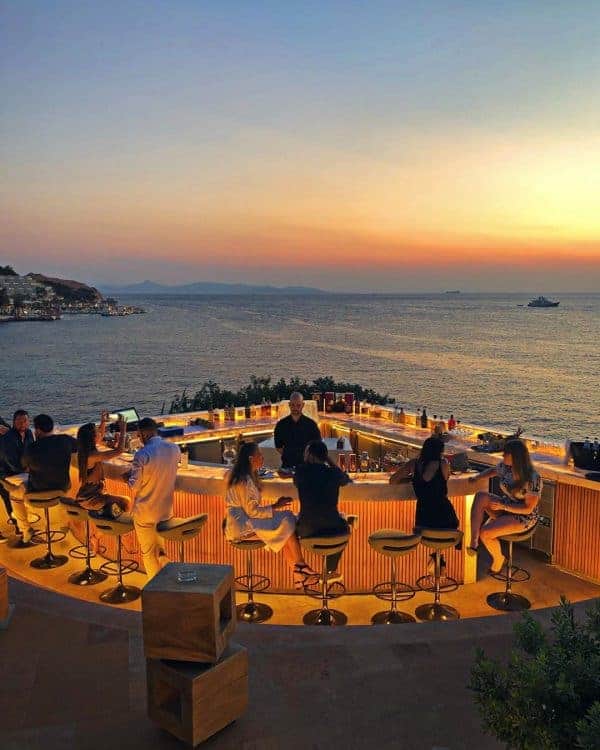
x,y
166,163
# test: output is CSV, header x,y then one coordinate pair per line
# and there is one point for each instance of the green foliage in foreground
x,y
212,396
548,696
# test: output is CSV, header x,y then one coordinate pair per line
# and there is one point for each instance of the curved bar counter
x,y
571,504
570,535
201,489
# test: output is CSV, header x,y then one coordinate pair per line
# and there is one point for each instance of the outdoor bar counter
x,y
573,535
201,489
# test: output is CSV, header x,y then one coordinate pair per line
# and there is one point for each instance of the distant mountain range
x,y
205,287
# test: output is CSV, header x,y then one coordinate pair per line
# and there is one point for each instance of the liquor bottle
x,y
185,457
586,444
424,420
340,443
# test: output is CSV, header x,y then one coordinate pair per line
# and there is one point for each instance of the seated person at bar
x,y
318,481
430,472
152,478
91,494
247,516
4,427
516,510
12,446
47,460
294,432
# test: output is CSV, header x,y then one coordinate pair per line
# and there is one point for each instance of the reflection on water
x,y
480,356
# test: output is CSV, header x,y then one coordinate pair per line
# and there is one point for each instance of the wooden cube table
x,y
189,621
194,701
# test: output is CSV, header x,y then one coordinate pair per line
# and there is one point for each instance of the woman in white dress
x,y
272,524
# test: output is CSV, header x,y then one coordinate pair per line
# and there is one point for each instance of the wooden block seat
x,y
181,530
193,701
393,543
438,540
325,546
188,612
507,601
119,594
88,576
44,500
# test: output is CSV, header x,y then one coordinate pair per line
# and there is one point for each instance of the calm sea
x,y
482,357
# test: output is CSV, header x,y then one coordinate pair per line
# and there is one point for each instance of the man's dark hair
x,y
147,424
43,423
20,413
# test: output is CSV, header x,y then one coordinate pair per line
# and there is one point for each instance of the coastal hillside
x,y
207,287
68,289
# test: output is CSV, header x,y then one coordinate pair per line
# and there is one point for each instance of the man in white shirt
x,y
152,477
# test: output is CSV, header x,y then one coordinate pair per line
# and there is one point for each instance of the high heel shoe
x,y
304,576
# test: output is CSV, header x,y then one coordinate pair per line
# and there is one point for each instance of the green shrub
x,y
212,396
548,695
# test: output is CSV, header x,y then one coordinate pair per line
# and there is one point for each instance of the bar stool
x,y
181,530
393,544
438,540
45,500
252,583
324,546
506,601
119,594
88,576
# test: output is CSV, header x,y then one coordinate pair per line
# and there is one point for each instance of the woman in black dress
x,y
318,481
430,472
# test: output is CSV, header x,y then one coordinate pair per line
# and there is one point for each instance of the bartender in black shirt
x,y
294,432
47,460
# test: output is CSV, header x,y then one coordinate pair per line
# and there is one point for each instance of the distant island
x,y
207,287
35,297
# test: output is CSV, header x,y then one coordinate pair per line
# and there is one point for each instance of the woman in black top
x,y
318,481
430,472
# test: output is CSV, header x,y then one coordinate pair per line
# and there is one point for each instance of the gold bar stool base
x,y
87,577
327,617
436,612
391,618
120,594
49,561
508,602
253,612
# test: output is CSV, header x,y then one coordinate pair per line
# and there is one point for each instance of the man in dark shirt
x,y
292,433
47,460
12,446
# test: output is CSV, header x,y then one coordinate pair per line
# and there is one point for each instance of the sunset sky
x,y
382,146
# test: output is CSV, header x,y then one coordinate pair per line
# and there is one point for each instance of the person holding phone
x,y
272,524
91,494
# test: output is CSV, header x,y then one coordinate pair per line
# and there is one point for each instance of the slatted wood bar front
x,y
362,567
577,530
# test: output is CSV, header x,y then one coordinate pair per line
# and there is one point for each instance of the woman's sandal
x,y
304,576
493,572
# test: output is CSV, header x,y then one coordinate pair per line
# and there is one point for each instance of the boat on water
x,y
542,302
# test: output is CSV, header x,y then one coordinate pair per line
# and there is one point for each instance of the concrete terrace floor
x,y
545,588
74,673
